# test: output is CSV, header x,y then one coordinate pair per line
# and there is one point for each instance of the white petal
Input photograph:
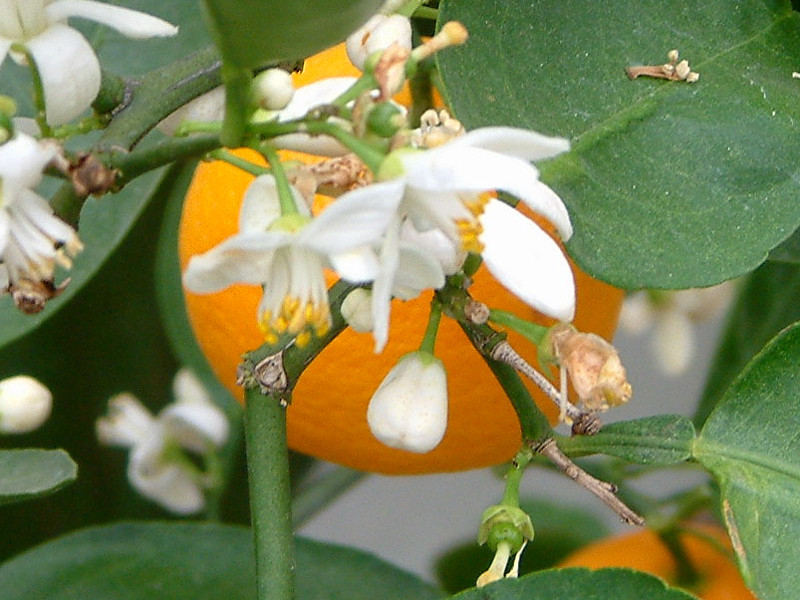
x,y
70,72
359,265
521,143
416,271
436,245
313,95
458,168
527,261
163,482
194,425
673,341
244,258
22,160
384,282
131,23
357,218
637,313
260,205
409,409
128,422
186,387
206,108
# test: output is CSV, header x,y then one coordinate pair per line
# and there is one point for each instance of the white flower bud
x,y
377,34
24,404
357,310
409,409
273,89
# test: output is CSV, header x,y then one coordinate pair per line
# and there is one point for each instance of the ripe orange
x,y
327,417
643,550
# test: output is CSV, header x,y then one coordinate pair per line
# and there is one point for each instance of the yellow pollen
x,y
303,339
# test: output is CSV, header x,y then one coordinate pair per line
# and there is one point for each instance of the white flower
x,y
24,404
409,409
32,240
445,189
158,466
673,315
377,34
287,255
67,64
273,89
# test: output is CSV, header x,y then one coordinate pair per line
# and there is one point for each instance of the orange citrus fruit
x,y
719,577
327,416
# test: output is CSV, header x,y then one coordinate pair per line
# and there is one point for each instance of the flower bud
x,y
357,310
376,35
409,409
272,89
24,404
594,368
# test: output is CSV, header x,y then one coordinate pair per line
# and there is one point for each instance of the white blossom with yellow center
x,y
66,62
287,255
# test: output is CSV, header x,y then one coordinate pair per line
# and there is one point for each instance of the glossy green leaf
x,y
788,251
751,445
33,472
560,530
161,561
578,584
250,33
659,440
766,303
669,184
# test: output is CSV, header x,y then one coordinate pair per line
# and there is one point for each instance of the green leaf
x,y
560,530
578,584
188,561
33,472
788,251
766,303
751,445
659,440
103,225
669,184
250,33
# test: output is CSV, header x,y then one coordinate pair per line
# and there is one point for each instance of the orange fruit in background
x,y
327,416
643,550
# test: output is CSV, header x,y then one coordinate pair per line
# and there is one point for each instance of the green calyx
x,y
290,223
504,523
385,119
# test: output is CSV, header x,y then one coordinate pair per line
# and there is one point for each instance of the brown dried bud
x,y
90,176
594,368
31,296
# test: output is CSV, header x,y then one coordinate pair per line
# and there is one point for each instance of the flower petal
x,y
128,422
357,218
359,265
243,258
130,23
163,482
527,261
69,69
513,141
416,271
22,160
194,426
459,168
260,205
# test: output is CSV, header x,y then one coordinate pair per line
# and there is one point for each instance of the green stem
x,y
239,162
270,497
434,318
237,104
686,574
514,478
535,333
38,90
285,196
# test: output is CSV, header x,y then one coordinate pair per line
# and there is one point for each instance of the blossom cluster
x,y
427,203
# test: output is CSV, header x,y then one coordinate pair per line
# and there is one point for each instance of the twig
x,y
602,489
503,352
